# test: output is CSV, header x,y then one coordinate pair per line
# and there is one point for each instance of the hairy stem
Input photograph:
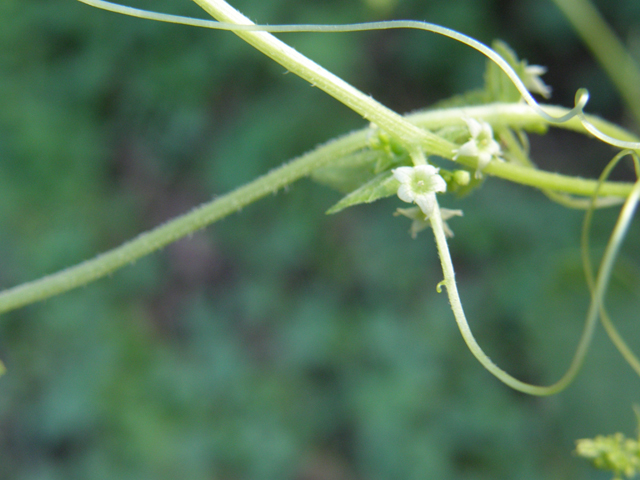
x,y
353,98
155,239
217,209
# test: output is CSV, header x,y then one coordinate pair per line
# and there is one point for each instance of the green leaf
x,y
383,185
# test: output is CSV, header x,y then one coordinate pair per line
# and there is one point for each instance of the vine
x,y
481,134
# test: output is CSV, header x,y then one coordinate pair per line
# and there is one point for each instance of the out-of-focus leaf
x,y
498,87
349,173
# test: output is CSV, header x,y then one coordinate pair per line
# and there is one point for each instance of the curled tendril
x,y
580,101
615,337
597,286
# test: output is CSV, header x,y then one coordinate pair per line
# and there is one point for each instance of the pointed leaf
x,y
383,185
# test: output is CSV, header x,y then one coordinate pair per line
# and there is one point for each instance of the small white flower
x,y
419,184
482,145
533,82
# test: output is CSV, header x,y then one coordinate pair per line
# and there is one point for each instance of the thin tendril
x,y
598,289
615,337
581,97
476,350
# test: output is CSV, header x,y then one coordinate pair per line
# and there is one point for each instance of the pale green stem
x,y
523,116
153,240
292,60
521,156
236,22
208,213
516,115
607,48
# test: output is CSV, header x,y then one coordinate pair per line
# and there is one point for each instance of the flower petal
x,y
474,126
405,193
426,202
534,83
438,184
469,149
403,174
419,184
426,170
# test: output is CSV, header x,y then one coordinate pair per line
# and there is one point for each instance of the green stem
x,y
292,60
518,115
200,217
217,209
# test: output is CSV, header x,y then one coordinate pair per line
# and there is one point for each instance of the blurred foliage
x,y
282,343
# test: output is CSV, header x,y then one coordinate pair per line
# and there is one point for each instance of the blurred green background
x,y
282,343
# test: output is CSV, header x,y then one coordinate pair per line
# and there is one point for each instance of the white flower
x,y
419,184
482,145
533,82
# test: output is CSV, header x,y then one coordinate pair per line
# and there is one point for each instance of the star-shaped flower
x,y
419,184
482,145
421,221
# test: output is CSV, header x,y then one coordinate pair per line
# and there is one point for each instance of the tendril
x,y
580,100
612,332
